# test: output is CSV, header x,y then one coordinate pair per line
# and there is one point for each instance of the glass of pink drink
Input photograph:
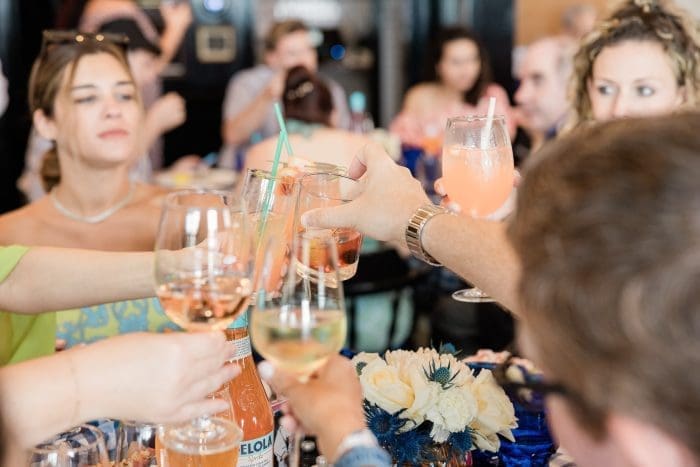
x,y
204,280
477,172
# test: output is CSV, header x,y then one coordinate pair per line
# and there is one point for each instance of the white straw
x,y
486,132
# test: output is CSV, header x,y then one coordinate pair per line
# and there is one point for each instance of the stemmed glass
x,y
299,329
477,172
203,276
82,446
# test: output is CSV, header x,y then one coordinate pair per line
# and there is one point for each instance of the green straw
x,y
283,130
282,139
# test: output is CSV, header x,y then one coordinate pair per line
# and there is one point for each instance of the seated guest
x,y
83,99
541,98
148,54
311,123
459,83
162,378
606,230
643,60
248,113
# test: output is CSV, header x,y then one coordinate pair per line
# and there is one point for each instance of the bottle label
x,y
241,348
256,452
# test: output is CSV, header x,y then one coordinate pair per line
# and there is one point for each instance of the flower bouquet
x,y
426,407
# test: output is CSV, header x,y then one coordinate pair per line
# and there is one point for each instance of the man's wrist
x,y
415,230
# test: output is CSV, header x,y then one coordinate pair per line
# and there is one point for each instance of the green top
x,y
23,336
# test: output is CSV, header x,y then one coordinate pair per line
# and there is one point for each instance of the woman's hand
x,y
152,377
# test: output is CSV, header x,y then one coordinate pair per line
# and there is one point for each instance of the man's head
x,y
544,76
288,44
608,233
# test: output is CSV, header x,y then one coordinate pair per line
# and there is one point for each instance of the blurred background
x,y
374,46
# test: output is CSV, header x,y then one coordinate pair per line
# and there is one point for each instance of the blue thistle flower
x,y
441,375
411,447
461,441
448,348
384,425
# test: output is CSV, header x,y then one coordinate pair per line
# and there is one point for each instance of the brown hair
x,y
437,49
607,230
658,21
280,30
306,97
46,83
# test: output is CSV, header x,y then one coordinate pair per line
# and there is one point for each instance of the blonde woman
x,y
643,60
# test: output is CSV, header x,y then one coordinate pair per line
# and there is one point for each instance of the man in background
x,y
541,97
248,113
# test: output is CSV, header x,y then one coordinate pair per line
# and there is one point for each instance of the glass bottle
x,y
252,409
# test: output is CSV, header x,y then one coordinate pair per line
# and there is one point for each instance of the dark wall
x,y
494,23
22,23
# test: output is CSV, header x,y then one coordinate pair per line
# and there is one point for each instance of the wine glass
x,y
299,329
136,444
203,275
82,446
323,190
203,259
477,172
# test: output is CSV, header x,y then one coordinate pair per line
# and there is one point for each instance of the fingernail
x,y
266,370
304,220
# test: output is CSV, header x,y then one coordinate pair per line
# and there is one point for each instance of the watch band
x,y
414,231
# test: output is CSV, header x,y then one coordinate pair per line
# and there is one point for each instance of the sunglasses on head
x,y
55,37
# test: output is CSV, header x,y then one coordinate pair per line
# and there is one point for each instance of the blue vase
x,y
533,444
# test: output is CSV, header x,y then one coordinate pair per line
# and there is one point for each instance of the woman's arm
x,y
57,279
150,377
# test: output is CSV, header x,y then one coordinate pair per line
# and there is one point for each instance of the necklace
x,y
96,218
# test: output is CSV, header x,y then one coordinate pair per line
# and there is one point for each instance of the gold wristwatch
x,y
414,231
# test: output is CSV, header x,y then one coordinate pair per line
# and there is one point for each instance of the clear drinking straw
x,y
486,132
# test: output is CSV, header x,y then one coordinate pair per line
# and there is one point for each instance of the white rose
x,y
454,410
426,395
488,442
382,386
364,357
403,361
496,413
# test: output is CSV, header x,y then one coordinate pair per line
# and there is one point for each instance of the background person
x,y
248,112
312,125
459,83
643,60
544,74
